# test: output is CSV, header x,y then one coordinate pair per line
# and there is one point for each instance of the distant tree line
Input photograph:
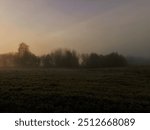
x,y
60,58
94,60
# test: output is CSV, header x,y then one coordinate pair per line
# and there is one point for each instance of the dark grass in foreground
x,y
78,90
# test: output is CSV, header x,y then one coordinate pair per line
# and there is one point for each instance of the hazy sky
x,y
101,26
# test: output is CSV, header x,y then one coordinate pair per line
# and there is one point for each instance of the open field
x,y
78,90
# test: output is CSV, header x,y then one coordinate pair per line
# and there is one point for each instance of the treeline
x,y
60,58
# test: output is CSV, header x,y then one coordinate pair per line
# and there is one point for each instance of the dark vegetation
x,y
64,81
75,90
61,58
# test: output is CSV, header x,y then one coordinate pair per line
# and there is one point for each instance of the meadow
x,y
75,90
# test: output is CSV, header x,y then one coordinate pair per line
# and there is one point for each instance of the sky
x,y
100,26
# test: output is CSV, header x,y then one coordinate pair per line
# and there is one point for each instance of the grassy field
x,y
78,90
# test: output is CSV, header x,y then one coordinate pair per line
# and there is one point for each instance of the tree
x,y
46,61
111,60
25,57
23,49
8,60
115,60
70,59
64,58
91,60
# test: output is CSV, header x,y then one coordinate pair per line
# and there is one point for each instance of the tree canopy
x,y
64,58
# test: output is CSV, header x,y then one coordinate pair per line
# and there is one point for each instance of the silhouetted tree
x,y
47,61
60,58
8,60
92,60
25,58
115,60
70,59
23,49
65,58
95,61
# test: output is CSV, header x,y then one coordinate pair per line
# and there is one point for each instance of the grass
x,y
75,90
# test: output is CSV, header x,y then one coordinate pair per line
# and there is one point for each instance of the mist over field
x,y
74,56
84,25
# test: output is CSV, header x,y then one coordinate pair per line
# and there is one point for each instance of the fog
x,y
100,26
